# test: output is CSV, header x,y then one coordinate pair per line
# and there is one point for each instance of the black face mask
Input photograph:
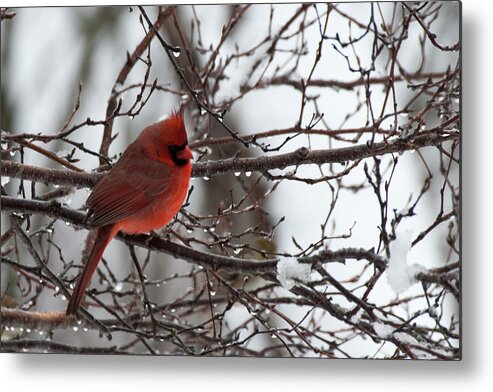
x,y
174,150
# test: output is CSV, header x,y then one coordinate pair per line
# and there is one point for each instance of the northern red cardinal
x,y
143,191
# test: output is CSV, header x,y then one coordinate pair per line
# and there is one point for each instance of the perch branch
x,y
302,156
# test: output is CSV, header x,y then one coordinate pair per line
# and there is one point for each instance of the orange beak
x,y
186,153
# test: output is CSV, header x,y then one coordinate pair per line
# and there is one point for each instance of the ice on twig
x,y
383,330
400,274
357,317
5,180
291,272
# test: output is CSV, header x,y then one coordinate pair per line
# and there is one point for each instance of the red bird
x,y
143,191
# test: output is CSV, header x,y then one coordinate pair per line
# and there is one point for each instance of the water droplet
x,y
71,286
205,178
28,330
212,229
206,229
202,111
173,310
163,316
273,335
57,289
41,333
85,329
213,293
64,298
12,153
236,251
189,231
176,52
248,173
237,174
67,223
75,328
423,127
118,286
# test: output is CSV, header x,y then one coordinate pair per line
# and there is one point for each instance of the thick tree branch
x,y
53,347
205,259
302,156
210,260
14,318
49,176
350,85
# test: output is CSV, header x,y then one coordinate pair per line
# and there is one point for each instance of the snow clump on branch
x,y
290,272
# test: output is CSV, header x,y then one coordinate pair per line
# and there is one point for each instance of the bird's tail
x,y
103,236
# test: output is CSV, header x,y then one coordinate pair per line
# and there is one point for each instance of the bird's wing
x,y
126,190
